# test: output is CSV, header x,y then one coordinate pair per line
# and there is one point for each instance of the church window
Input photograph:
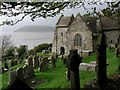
x,y
77,40
62,34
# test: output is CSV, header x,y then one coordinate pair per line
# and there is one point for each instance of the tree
x,y
41,47
45,9
6,43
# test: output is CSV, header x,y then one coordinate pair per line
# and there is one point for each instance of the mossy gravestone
x,y
35,61
73,65
28,71
20,74
44,64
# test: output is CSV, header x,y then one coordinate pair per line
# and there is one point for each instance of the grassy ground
x,y
56,77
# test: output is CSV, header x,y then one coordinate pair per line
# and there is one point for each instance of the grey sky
x,y
46,22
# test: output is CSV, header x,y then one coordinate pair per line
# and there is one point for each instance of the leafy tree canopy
x,y
19,10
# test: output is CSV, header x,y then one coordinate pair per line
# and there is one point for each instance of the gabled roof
x,y
64,21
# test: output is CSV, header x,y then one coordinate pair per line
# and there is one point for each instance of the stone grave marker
x,y
1,70
53,61
30,61
12,76
12,62
73,65
44,64
28,71
20,74
35,61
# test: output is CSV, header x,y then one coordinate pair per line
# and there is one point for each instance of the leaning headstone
x,y
18,85
28,71
73,65
12,62
20,74
36,61
12,76
30,61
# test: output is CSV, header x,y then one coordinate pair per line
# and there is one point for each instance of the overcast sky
x,y
46,22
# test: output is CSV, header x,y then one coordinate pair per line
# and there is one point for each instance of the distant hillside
x,y
35,29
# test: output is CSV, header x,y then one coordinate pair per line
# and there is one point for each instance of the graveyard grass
x,y
56,77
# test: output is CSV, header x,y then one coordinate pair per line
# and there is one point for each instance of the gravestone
x,y
12,76
44,64
88,66
15,62
117,51
53,61
84,66
28,71
101,62
36,61
2,70
6,68
91,85
18,85
65,60
73,65
30,61
12,62
20,74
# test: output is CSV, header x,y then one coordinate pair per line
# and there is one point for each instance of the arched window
x,y
78,40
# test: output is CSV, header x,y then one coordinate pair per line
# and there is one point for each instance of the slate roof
x,y
109,24
90,23
106,23
64,21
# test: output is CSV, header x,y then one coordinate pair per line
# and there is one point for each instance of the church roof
x,y
90,23
109,24
64,21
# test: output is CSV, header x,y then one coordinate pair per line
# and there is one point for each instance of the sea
x,y
31,39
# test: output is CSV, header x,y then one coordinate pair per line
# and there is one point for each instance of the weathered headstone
x,y
73,62
12,62
20,74
101,62
28,71
44,64
12,76
53,61
30,61
36,61
88,66
2,70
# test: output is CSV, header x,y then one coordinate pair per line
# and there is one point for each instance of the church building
x,y
77,32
